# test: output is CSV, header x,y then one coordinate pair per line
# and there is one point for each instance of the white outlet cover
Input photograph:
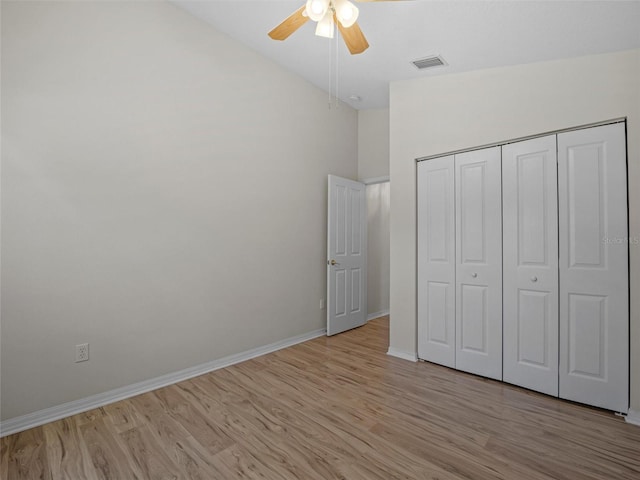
x,y
82,352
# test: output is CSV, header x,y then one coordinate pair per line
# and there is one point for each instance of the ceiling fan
x,y
327,13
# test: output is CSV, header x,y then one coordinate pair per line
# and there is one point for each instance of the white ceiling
x,y
469,35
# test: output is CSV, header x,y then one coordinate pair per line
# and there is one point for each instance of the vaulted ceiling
x,y
469,35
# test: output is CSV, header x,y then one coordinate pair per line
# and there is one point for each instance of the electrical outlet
x,y
82,352
322,304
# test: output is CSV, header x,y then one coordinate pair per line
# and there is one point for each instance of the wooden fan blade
x,y
290,25
353,37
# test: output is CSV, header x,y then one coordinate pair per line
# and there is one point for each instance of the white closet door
x,y
530,264
436,261
594,295
479,263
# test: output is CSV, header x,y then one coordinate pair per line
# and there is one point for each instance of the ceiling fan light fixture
x,y
346,12
325,26
317,9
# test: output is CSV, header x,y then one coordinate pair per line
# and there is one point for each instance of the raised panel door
x,y
594,289
347,255
478,275
436,261
530,264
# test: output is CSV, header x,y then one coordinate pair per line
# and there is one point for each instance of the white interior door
x,y
346,256
436,261
479,262
530,264
594,290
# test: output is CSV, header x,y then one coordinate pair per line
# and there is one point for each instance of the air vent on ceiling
x,y
429,62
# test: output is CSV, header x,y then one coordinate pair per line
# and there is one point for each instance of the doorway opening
x,y
378,260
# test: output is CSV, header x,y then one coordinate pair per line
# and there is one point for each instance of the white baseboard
x,y
35,419
633,417
394,352
379,314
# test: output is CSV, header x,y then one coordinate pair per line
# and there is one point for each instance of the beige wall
x,y
162,198
378,207
373,143
440,114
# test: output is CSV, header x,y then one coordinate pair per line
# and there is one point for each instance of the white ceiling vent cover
x,y
429,62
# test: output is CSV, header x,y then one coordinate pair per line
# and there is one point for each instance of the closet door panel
x,y
474,318
479,263
436,261
594,291
530,268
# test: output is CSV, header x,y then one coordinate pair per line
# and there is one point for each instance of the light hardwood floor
x,y
331,408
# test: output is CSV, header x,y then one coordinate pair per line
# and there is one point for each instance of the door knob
x,y
333,262
474,274
534,279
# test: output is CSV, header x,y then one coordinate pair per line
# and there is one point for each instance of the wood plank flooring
x,y
331,408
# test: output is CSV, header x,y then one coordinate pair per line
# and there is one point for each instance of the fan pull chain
x,y
333,70
337,91
330,74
